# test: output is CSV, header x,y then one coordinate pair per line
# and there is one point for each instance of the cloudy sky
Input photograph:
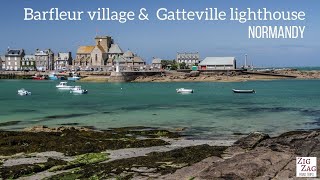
x,y
163,39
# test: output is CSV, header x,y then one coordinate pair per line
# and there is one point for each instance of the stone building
x,y
138,61
28,62
13,59
114,51
127,61
62,61
2,63
156,63
44,60
83,57
98,55
133,59
189,58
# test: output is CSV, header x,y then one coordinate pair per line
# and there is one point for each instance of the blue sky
x,y
163,39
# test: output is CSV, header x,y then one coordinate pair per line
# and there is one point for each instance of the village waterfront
x,y
213,111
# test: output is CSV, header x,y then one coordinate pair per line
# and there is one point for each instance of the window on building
x,y
23,63
15,58
96,57
15,63
9,58
9,63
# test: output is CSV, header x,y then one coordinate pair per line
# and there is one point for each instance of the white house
x,y
218,63
189,58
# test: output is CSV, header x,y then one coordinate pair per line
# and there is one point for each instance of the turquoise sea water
x,y
213,111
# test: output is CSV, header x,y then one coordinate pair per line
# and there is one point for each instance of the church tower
x,y
104,41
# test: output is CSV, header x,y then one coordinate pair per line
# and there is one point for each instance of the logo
x,y
306,166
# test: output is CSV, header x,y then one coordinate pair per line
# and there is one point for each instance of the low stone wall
x,y
15,76
221,72
269,74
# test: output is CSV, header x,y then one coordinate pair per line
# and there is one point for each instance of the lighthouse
x,y
245,60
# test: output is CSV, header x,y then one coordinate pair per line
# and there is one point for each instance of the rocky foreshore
x,y
218,76
195,76
149,153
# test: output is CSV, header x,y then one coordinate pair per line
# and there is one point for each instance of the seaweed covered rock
x,y
75,141
152,165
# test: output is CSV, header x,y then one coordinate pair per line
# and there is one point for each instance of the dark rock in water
x,y
24,111
316,122
106,112
251,141
239,134
272,109
64,116
310,112
9,123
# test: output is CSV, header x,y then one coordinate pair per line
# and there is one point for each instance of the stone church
x,y
98,55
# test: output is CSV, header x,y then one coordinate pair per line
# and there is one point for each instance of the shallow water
x,y
212,112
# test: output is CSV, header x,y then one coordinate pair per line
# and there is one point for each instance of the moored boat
x,y
53,76
38,77
243,90
184,91
23,92
64,86
78,90
74,77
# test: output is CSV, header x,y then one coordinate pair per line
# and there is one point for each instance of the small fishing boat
x,y
23,92
53,76
64,86
38,77
184,91
74,77
243,90
78,90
